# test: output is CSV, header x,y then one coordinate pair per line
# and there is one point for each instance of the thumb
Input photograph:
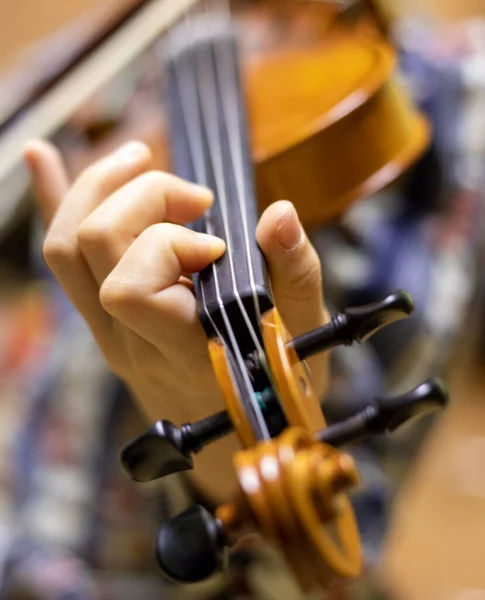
x,y
49,177
294,268
295,272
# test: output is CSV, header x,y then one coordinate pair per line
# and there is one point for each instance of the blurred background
x,y
72,525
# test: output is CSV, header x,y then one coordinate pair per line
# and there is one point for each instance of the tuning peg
x,y
355,324
191,546
387,414
166,448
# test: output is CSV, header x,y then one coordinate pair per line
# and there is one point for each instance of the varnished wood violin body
x,y
343,102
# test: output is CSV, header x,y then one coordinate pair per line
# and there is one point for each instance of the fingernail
x,y
216,245
289,231
132,152
203,193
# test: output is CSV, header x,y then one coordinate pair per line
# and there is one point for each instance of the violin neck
x,y
210,146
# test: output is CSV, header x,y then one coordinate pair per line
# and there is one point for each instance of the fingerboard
x,y
210,146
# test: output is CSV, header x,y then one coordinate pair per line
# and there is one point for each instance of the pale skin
x,y
117,245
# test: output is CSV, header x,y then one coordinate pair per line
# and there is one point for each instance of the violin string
x,y
229,108
225,9
208,96
225,72
235,144
187,88
227,75
186,92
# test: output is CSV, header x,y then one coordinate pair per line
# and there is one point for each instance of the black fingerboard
x,y
210,146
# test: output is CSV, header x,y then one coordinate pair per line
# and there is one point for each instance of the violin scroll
x,y
290,489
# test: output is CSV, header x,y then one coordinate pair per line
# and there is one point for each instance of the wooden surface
x,y
297,397
297,510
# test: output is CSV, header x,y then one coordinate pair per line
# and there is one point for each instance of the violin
x,y
293,477
311,113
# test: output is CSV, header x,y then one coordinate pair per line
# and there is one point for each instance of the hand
x,y
117,245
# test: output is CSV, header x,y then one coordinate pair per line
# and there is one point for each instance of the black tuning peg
x,y
166,449
355,324
191,546
387,414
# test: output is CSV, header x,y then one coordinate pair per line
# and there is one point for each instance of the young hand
x,y
117,244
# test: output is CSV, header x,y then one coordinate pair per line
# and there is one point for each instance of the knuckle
x,y
157,180
159,233
154,231
57,251
162,185
92,234
116,295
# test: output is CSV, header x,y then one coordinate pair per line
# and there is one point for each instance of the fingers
x,y
95,184
61,250
143,291
295,274
153,197
294,268
49,177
